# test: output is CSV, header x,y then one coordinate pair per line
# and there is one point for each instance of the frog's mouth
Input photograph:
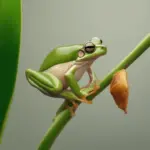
x,y
91,59
38,80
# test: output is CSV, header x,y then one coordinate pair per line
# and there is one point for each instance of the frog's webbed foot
x,y
95,88
91,91
68,94
67,104
72,108
93,80
83,99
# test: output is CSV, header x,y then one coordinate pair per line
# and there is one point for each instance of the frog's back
x,y
60,55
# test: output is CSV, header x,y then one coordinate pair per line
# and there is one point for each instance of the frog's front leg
x,y
92,79
70,78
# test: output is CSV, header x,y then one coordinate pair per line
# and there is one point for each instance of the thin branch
x,y
64,117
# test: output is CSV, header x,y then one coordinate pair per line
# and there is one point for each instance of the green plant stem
x,y
55,129
64,117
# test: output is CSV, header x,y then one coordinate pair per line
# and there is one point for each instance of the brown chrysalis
x,y
119,89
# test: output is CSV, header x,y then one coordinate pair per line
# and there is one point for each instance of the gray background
x,y
49,23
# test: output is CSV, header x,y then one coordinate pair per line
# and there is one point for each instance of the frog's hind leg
x,y
47,83
70,96
71,99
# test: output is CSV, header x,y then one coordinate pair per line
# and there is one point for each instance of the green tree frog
x,y
63,67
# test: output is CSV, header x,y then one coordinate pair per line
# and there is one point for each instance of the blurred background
x,y
101,126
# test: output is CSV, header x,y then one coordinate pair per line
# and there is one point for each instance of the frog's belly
x,y
60,70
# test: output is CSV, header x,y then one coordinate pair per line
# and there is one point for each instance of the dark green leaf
x,y
10,26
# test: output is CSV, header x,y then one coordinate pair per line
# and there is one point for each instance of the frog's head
x,y
92,50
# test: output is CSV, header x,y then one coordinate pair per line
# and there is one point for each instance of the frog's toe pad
x,y
94,90
84,100
71,110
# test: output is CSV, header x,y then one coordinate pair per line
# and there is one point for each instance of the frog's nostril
x,y
104,48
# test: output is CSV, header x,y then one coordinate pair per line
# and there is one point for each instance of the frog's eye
x,y
89,47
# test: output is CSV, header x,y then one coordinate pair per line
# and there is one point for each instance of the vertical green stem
x,y
59,123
